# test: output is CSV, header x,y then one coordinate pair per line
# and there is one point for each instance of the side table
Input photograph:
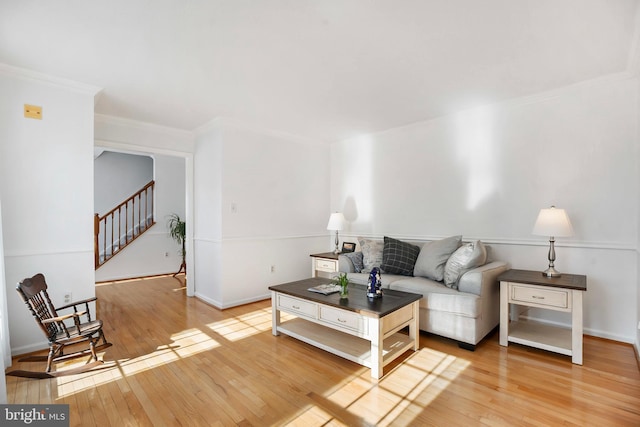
x,y
324,264
532,289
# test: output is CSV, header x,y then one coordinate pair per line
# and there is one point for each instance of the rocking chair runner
x,y
60,335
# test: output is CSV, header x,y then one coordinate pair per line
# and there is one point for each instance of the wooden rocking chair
x,y
60,335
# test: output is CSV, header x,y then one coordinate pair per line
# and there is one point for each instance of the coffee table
x,y
358,329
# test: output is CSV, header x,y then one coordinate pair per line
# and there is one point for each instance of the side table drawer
x,y
297,306
326,265
548,297
342,318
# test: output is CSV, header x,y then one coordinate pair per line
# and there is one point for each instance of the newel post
x,y
96,231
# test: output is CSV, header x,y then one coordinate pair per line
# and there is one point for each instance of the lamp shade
x,y
336,221
553,222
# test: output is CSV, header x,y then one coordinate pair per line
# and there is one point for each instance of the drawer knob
x,y
537,297
295,307
341,321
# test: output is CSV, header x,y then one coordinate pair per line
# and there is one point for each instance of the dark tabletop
x,y
567,281
357,301
328,255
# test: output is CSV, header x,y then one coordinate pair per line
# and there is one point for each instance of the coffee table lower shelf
x,y
347,346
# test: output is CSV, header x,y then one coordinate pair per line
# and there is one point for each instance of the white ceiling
x,y
323,69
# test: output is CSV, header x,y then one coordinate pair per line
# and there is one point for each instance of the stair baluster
x,y
107,243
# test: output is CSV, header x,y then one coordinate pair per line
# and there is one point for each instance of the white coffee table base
x,y
367,340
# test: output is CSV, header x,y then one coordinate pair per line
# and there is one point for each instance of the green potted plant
x,y
178,232
343,281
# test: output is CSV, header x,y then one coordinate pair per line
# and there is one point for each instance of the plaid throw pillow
x,y
399,257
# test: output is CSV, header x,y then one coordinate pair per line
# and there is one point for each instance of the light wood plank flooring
x,y
178,361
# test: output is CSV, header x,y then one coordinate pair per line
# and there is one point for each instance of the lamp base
x,y
551,272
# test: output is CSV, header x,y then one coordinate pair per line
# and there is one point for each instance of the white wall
x,y
170,149
207,238
5,344
116,176
261,200
46,183
637,343
485,173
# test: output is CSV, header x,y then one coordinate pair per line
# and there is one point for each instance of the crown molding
x,y
144,126
30,75
142,150
208,126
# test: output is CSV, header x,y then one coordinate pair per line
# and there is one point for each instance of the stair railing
x,y
123,224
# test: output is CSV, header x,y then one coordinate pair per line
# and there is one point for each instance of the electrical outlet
x,y
273,269
67,297
166,254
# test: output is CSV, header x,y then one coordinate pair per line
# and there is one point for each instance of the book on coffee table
x,y
325,289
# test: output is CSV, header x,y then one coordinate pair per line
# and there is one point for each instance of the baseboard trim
x,y
223,306
207,300
29,349
146,276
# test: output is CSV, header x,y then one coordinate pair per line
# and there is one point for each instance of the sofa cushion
x,y
399,257
371,253
433,257
437,297
363,278
468,256
356,260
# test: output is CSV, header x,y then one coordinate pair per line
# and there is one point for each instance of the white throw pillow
x,y
468,256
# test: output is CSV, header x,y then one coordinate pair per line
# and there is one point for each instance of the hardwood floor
x,y
178,361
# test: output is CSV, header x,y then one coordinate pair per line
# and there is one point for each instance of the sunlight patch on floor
x,y
245,325
314,416
184,344
397,399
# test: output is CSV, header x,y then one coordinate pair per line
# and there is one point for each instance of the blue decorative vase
x,y
374,285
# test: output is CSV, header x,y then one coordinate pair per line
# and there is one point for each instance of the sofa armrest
x,y
477,280
345,265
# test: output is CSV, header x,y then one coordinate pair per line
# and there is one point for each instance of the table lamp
x,y
554,223
336,222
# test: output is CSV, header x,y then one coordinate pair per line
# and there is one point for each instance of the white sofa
x,y
466,314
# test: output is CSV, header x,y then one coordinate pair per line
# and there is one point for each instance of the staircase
x,y
123,224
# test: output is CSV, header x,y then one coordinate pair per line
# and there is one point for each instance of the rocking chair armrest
x,y
73,304
60,318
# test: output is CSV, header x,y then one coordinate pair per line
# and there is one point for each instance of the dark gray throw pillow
x,y
356,259
399,257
